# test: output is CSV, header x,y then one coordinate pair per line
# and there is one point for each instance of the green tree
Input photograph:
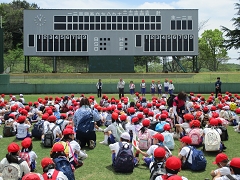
x,y
211,49
13,58
12,14
145,60
233,36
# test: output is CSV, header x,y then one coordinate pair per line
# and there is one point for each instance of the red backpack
x,y
51,177
25,156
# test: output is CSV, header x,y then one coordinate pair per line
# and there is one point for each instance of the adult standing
x,y
218,85
99,88
120,87
179,107
85,137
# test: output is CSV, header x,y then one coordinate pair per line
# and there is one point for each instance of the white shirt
x,y
115,147
60,175
171,87
55,131
33,156
131,86
223,171
226,178
75,148
22,130
143,85
159,86
184,152
166,84
63,123
112,128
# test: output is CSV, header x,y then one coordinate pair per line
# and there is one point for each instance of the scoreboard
x,y
111,32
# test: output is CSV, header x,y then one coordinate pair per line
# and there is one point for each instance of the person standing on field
x,y
120,87
99,88
218,85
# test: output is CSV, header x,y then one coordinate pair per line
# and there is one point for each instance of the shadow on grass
x,y
110,168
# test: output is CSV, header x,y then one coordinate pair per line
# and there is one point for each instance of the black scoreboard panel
x,y
111,32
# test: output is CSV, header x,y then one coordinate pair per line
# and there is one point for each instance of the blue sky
x,y
216,12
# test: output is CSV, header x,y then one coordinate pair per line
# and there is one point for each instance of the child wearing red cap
x,y
153,88
184,151
32,176
143,88
170,87
132,88
13,157
172,166
157,142
49,170
23,126
234,168
221,161
27,151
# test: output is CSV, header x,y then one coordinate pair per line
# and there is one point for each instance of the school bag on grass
x,y
144,140
49,138
8,130
168,140
195,136
212,140
62,164
124,161
199,161
86,124
37,130
157,170
12,171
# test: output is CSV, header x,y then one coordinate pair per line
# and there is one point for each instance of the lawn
x,y
98,165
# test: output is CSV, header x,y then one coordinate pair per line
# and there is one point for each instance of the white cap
x,y
226,107
20,94
126,136
162,107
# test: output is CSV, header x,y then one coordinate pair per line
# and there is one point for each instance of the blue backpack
x,y
86,124
37,130
199,162
62,164
159,126
124,161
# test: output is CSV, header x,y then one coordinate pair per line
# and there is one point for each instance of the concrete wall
x,y
16,88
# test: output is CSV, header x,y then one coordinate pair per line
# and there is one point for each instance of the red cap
x,y
188,117
237,110
167,127
52,118
173,163
68,131
205,109
146,122
63,115
163,116
21,119
115,116
235,162
45,116
145,111
140,115
186,140
11,116
123,117
135,119
31,176
57,147
150,113
149,105
159,136
46,161
159,152
26,143
214,122
220,157
131,110
24,112
13,147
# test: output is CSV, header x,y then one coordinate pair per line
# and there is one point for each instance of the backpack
x,y
12,171
168,140
53,177
159,126
49,138
86,124
144,140
62,164
212,140
199,162
25,156
224,135
37,130
153,125
124,161
156,170
194,134
170,100
35,116
8,130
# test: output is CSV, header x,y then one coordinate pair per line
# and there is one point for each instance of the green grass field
x,y
98,165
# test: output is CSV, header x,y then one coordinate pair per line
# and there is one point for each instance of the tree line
x,y
213,46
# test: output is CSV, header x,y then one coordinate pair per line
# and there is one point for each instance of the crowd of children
x,y
142,127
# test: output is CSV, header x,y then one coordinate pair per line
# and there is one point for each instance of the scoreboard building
x,y
110,37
